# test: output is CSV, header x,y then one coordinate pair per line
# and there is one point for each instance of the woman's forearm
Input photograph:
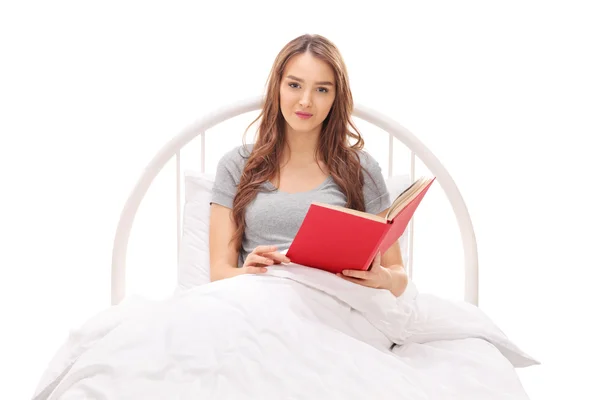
x,y
223,271
399,279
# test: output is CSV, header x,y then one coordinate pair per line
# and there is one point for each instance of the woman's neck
x,y
301,146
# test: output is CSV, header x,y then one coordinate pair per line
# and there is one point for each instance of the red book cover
x,y
334,240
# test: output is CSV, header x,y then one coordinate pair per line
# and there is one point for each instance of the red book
x,y
334,238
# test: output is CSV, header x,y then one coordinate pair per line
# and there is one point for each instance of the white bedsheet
x,y
293,333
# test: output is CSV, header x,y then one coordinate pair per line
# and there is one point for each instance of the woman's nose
x,y
305,101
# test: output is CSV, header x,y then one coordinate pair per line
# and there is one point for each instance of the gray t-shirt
x,y
274,217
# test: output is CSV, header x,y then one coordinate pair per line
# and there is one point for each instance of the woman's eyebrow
x,y
302,80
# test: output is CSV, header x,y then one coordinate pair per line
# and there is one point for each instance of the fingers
x,y
264,249
357,274
277,257
255,270
264,256
362,282
376,277
370,278
254,259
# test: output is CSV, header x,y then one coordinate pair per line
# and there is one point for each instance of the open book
x,y
334,238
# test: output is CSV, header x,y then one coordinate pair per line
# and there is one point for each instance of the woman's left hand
x,y
377,277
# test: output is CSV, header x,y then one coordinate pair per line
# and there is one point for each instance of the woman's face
x,y
306,93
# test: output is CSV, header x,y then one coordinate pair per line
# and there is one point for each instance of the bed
x,y
292,333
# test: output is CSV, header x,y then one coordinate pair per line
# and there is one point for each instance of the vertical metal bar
x,y
178,199
391,155
203,151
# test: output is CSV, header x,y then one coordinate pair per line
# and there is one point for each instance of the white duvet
x,y
292,333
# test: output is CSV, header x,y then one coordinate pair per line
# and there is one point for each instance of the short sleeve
x,y
376,195
227,177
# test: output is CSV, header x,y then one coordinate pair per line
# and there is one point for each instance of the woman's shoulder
x,y
367,161
236,156
374,179
375,190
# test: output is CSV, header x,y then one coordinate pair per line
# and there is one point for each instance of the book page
x,y
407,196
353,212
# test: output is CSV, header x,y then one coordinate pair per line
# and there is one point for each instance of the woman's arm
x,y
392,261
392,258
223,254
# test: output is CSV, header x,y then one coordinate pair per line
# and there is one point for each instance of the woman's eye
x,y
294,85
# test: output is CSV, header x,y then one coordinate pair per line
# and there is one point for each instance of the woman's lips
x,y
303,115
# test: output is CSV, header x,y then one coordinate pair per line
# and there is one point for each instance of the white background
x,y
506,94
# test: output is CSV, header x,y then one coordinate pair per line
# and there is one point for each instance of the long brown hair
x,y
334,147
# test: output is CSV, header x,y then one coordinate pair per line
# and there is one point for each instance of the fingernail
x,y
287,260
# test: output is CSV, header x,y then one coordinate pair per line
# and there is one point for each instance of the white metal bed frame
x,y
219,115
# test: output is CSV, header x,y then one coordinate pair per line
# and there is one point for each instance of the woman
x,y
301,154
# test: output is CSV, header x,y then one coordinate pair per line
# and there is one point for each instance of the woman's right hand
x,y
262,257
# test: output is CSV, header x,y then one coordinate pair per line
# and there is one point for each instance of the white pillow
x,y
193,267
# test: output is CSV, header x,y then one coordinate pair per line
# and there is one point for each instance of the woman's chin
x,y
305,128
